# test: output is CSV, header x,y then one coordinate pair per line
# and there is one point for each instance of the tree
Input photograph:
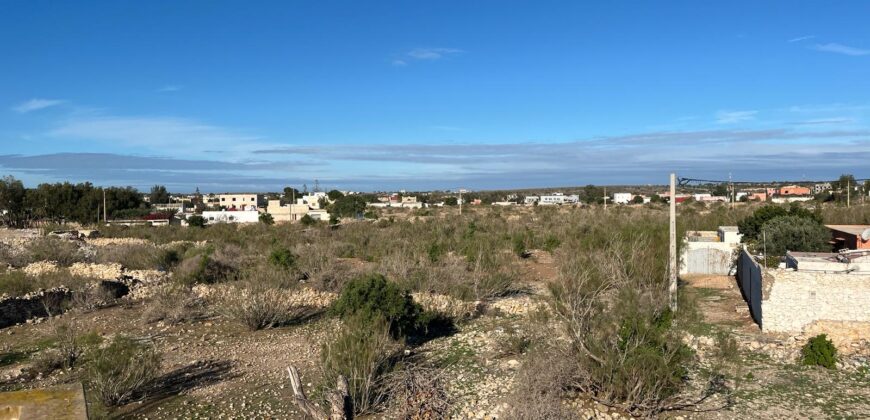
x,y
307,220
267,219
12,198
451,201
348,206
794,233
196,221
655,198
334,195
290,194
592,194
159,195
721,190
750,227
637,199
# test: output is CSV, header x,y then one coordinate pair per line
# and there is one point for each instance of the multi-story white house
x,y
622,198
241,201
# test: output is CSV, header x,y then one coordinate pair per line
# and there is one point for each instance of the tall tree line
x,y
65,201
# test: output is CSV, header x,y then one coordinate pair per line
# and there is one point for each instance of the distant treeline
x,y
59,202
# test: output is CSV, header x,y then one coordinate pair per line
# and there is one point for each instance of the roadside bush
x,y
372,297
362,352
122,370
819,351
267,219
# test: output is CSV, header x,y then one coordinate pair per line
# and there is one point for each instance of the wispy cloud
x,y
825,121
37,104
149,132
802,38
425,54
840,49
170,88
732,117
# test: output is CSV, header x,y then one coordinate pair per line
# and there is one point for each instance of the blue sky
x,y
237,95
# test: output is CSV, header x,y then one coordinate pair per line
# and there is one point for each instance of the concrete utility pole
x,y
105,215
672,266
460,201
848,192
605,198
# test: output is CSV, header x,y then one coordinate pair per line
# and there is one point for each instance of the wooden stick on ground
x,y
339,399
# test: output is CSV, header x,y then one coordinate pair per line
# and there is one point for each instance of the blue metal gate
x,y
749,279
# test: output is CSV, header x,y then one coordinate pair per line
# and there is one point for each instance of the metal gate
x,y
749,279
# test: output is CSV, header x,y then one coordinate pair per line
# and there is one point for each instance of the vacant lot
x,y
542,312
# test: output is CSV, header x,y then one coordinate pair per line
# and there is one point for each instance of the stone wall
x,y
793,300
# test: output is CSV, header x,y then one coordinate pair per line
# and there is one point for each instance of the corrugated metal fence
x,y
749,279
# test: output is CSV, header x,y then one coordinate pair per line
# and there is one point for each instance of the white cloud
x,y
802,38
840,49
170,88
37,104
425,54
432,53
155,133
731,117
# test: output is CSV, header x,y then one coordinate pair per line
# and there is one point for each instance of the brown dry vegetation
x,y
573,320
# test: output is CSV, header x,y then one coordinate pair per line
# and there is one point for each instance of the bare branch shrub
x,y
173,303
611,299
259,306
362,352
123,370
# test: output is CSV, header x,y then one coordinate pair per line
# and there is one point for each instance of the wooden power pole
x,y
672,266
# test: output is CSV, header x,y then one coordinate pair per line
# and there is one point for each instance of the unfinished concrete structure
x,y
815,293
849,237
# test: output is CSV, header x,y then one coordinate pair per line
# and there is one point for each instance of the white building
x,y
622,198
245,216
531,199
558,198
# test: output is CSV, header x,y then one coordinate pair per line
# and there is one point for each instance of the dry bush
x,y
62,251
134,257
258,306
611,301
208,266
540,385
122,370
173,304
419,392
362,352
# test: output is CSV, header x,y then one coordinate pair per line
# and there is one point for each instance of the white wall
x,y
212,217
793,300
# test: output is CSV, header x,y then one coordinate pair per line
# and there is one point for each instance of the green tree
x,y
348,206
12,200
592,195
159,195
721,190
334,195
451,201
196,221
794,233
637,199
267,219
307,220
750,227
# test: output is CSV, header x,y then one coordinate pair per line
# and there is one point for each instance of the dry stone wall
x,y
793,300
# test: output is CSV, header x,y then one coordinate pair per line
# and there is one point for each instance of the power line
x,y
682,181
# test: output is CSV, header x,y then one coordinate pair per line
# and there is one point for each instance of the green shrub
x,y
267,219
819,351
307,221
362,352
122,370
48,248
196,221
283,258
372,297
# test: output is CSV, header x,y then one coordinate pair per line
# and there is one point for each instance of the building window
x,y
234,198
